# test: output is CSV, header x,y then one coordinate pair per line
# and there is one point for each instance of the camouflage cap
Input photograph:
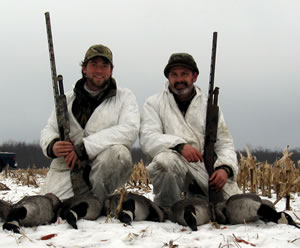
x,y
183,59
98,50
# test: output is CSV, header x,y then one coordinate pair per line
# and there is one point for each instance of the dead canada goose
x,y
4,209
86,206
134,207
32,211
243,208
190,212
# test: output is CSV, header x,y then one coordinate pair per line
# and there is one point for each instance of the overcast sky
x,y
257,68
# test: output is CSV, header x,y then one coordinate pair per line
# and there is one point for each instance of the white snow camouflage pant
x,y
171,175
110,170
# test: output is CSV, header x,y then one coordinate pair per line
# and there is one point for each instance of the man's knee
x,y
164,161
116,154
111,170
122,153
114,163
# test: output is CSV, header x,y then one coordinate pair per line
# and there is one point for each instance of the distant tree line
x,y
27,154
30,154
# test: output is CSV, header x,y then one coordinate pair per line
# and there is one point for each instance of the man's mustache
x,y
180,83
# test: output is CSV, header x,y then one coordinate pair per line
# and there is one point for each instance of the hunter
x,y
104,124
172,133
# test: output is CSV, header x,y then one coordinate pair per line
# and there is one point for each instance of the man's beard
x,y
101,87
185,92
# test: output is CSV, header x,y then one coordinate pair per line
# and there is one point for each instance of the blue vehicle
x,y
7,158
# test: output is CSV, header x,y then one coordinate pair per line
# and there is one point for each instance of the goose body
x,y
245,208
32,211
190,212
134,208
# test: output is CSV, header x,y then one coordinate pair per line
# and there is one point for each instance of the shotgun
x,y
62,116
211,129
79,176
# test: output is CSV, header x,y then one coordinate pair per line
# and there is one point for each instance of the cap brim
x,y
98,55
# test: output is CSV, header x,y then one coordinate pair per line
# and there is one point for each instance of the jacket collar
x,y
109,92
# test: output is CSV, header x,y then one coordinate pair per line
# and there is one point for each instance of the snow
x,y
111,233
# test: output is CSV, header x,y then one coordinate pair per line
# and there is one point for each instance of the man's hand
x,y
72,159
62,148
66,149
191,154
218,179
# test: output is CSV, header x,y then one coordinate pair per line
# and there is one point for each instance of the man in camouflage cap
x,y
104,124
172,133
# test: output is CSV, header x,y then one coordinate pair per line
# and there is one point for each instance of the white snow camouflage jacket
x,y
115,121
163,126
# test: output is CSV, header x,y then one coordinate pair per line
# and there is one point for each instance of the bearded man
x,y
172,133
104,124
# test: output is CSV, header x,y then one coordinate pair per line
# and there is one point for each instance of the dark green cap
x,y
98,50
183,59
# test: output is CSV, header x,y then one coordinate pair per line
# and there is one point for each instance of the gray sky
x,y
257,67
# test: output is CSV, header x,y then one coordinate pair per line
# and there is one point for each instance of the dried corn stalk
x,y
140,178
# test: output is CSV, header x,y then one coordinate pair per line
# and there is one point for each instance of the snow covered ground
x,y
112,233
